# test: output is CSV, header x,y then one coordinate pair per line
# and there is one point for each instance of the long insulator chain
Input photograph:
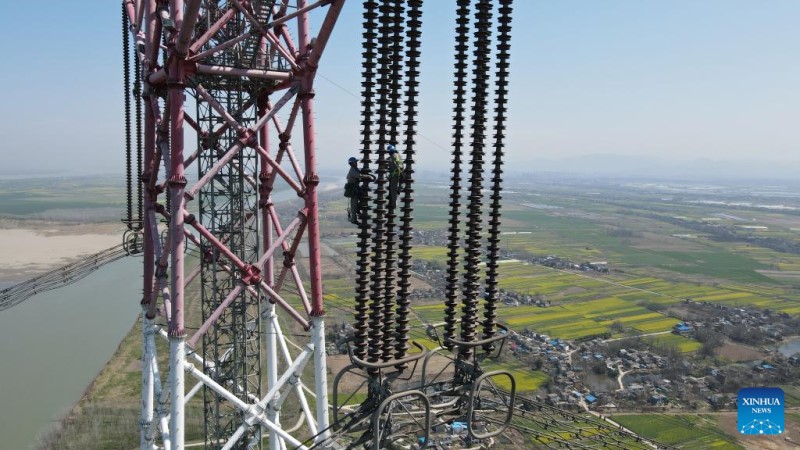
x,y
137,92
126,74
397,29
364,213
376,322
413,34
471,285
501,93
451,288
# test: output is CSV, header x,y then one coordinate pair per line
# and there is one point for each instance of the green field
x,y
527,380
582,239
690,432
685,345
59,196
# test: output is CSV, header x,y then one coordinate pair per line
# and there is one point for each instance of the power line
x,y
60,277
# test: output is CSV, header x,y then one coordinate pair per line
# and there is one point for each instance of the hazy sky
x,y
673,79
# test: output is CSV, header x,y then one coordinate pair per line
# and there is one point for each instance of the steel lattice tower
x,y
249,66
228,204
240,74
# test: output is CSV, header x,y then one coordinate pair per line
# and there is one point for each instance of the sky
x,y
675,81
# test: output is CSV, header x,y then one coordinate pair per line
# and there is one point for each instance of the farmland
x,y
651,271
686,431
86,198
651,266
655,266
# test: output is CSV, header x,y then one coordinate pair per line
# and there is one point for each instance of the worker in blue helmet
x,y
351,188
396,174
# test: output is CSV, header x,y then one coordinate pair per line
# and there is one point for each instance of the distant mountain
x,y
626,166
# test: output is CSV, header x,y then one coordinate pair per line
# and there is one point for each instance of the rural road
x,y
636,336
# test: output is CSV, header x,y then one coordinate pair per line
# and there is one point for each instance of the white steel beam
x,y
320,376
250,410
148,387
271,365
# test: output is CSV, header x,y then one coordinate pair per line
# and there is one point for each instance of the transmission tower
x,y
239,74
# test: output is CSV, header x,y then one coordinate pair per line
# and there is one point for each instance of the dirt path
x,y
622,373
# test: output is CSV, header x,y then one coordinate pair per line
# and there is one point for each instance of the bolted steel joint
x,y
160,208
177,333
288,259
247,137
307,95
161,270
311,179
177,181
208,255
251,275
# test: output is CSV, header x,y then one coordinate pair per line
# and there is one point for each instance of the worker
x,y
351,188
395,175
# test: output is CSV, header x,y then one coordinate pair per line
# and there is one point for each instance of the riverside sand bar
x,y
32,250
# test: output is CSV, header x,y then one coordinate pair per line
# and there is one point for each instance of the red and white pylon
x,y
179,44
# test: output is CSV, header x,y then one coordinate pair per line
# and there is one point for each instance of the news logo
x,y
760,411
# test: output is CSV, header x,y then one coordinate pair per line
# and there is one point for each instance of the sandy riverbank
x,y
30,248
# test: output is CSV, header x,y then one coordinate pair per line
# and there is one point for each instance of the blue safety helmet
x,y
391,148
352,160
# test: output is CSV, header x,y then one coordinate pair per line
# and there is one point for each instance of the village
x,y
624,370
636,374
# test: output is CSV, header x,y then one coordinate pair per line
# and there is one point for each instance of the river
x,y
790,346
53,345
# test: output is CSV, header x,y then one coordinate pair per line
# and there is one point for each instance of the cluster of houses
x,y
560,263
720,317
632,359
643,363
511,298
684,328
643,385
436,277
531,343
